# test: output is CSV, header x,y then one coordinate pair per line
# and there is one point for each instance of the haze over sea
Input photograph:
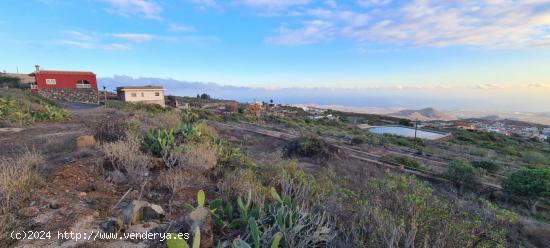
x,y
482,98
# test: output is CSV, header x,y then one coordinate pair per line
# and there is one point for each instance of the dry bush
x,y
126,157
201,156
18,176
239,183
110,128
181,178
207,130
166,120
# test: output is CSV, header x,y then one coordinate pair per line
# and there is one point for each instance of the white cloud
x,y
370,3
174,27
206,4
311,32
272,4
147,9
431,23
88,40
134,37
90,45
80,35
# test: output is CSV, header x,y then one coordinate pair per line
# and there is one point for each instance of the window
x,y
50,81
142,94
133,94
157,93
82,84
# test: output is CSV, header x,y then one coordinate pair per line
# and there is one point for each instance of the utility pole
x,y
105,93
415,129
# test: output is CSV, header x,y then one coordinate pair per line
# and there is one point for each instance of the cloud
x,y
147,9
539,85
88,40
432,23
206,4
370,3
272,4
310,32
80,35
174,27
90,45
134,37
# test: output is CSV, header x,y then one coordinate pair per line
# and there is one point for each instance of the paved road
x,y
76,107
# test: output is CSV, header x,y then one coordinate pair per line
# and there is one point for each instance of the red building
x,y
64,80
72,86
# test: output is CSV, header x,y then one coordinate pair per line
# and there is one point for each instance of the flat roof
x,y
146,87
62,72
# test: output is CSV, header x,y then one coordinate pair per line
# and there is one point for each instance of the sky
x,y
498,48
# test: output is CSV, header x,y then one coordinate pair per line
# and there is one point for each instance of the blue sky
x,y
484,44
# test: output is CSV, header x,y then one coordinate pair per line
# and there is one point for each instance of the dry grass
x,y
126,157
7,224
18,176
201,156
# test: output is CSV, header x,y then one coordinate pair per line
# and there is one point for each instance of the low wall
x,y
70,95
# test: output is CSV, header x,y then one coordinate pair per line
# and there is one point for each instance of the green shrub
x,y
158,141
19,108
310,147
489,166
463,175
535,157
530,184
403,160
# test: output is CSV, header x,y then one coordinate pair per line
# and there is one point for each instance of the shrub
x,y
158,141
111,128
19,108
229,155
125,156
463,175
530,184
18,176
401,211
178,178
403,160
534,157
12,82
310,147
357,140
200,155
489,166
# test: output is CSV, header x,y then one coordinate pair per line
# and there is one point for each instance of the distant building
x,y
147,94
176,102
71,86
462,125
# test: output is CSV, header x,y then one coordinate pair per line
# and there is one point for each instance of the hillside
x,y
425,114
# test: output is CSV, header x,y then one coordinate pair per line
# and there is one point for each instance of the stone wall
x,y
71,95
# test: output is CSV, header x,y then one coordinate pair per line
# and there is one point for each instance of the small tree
x,y
463,175
205,96
530,184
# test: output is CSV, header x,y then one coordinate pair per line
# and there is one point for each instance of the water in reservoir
x,y
407,132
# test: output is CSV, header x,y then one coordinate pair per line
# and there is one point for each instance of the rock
x,y
82,194
112,226
29,212
138,211
202,218
85,142
53,205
